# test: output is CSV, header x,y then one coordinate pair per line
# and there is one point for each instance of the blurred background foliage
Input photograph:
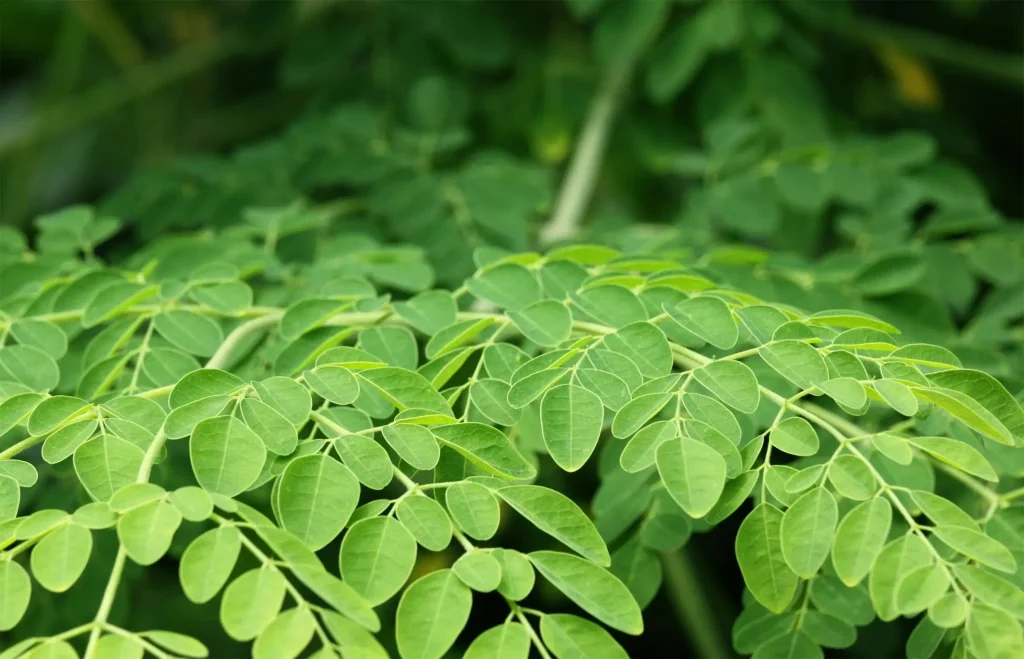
x,y
825,154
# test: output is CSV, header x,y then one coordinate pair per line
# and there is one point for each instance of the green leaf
x,y
122,647
207,563
978,546
146,532
135,495
644,345
517,575
845,391
967,410
572,637
333,383
958,454
192,502
17,409
414,444
306,315
316,497
431,614
30,366
490,397
474,509
15,593
289,398
617,364
762,563
991,589
40,334
486,447
895,560
227,297
180,644
559,517
593,588
95,515
707,317
106,464
571,418
114,299
428,311
368,460
251,602
989,393
993,634
733,383
941,511
693,473
921,587
794,436
546,322
897,395
227,456
62,443
807,530
286,636
502,359
893,447
860,538
478,570
797,361
890,274
395,346
735,493
277,433
509,285
526,390
640,453
638,412
377,557
506,641
60,557
852,478
456,335
426,520
610,388
181,422
192,332
406,389
204,383
612,306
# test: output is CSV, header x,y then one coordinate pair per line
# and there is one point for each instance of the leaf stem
x,y
687,594
543,651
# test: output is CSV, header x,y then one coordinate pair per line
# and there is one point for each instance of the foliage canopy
x,y
322,375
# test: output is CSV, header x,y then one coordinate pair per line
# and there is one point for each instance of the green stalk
x,y
687,594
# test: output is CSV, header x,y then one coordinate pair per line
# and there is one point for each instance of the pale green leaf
x,y
507,641
893,447
30,366
807,530
227,456
707,317
546,322
316,498
486,447
15,593
204,383
860,538
920,588
286,636
732,382
180,644
759,553
490,397
571,419
993,634
474,509
106,464
428,311
978,546
558,516
431,614
192,502
426,520
251,602
368,460
207,563
897,395
852,478
593,588
478,570
795,436
992,589
192,332
333,383
405,389
845,391
287,396
797,361
146,532
894,561
641,451
377,557
277,433
644,345
572,637
958,454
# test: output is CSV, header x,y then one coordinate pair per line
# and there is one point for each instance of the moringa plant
x,y
205,389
